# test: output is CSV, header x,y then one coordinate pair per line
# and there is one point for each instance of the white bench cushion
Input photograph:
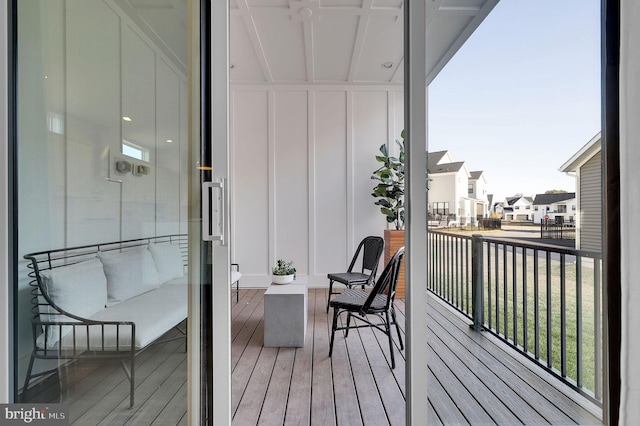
x,y
154,313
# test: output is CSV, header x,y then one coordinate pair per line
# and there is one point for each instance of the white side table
x,y
285,315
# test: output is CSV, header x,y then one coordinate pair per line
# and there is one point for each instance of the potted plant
x,y
390,188
389,193
283,273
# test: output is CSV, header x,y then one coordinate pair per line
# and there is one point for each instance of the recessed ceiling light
x,y
387,65
169,140
125,118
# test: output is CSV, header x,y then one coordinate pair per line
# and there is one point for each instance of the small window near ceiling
x,y
135,151
55,123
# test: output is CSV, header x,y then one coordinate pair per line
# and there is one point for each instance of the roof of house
x,y
446,167
476,174
544,199
583,155
512,200
433,158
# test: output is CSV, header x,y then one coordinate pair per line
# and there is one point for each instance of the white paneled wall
x,y
302,159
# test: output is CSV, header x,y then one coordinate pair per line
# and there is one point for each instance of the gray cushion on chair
x,y
356,298
349,277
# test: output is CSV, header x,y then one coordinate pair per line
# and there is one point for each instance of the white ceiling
x,y
316,41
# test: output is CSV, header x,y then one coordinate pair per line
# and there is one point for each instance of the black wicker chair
x,y
359,303
371,248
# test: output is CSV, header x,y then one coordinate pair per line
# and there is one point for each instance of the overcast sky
x,y
522,95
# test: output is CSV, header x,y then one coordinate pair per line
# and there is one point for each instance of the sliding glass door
x,y
120,156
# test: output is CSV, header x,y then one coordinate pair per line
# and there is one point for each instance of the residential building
x,y
478,192
518,208
557,207
497,210
454,192
586,166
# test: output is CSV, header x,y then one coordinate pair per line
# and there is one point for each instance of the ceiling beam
x,y
363,24
256,43
308,50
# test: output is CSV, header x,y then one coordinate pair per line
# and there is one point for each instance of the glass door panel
x,y
109,210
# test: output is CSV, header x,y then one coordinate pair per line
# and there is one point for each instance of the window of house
x,y
516,207
470,188
562,208
527,208
573,208
535,208
441,208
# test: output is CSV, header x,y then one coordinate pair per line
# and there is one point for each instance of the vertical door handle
x,y
213,211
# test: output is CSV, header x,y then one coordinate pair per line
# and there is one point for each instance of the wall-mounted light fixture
x,y
122,166
141,169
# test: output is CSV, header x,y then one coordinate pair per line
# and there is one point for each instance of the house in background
x,y
518,207
478,191
497,209
586,166
455,194
555,206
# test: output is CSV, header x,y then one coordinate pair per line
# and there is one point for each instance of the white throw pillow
x,y
168,261
129,273
79,289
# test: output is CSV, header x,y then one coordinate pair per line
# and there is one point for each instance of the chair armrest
x,y
235,273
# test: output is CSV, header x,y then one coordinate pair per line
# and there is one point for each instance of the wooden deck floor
x,y
472,379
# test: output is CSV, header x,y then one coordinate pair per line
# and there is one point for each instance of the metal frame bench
x,y
83,332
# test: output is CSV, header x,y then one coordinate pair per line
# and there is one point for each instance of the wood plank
x,y
250,406
90,396
545,398
495,387
144,390
245,366
444,407
175,409
252,325
346,397
387,380
275,402
160,395
495,407
116,397
464,400
371,405
322,398
299,404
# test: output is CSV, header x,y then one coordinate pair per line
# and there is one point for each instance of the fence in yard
x,y
464,223
544,302
558,230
